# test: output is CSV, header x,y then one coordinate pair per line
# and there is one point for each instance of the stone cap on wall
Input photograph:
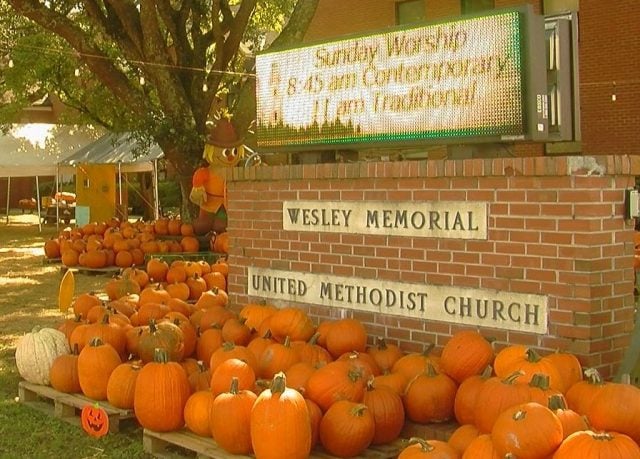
x,y
479,167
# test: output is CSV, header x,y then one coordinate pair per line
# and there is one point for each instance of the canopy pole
x,y
57,200
38,204
120,183
8,193
156,207
120,211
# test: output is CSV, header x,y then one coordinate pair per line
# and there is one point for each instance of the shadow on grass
x,y
28,297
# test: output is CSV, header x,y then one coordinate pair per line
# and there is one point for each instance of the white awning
x,y
35,149
118,149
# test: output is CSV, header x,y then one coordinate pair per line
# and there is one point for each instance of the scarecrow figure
x,y
223,148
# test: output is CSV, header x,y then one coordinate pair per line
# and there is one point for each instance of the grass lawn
x,y
28,297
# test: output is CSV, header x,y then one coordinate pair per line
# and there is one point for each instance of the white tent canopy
x,y
31,150
34,150
124,151
120,149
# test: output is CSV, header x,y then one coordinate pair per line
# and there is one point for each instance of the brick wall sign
x,y
465,220
467,306
536,251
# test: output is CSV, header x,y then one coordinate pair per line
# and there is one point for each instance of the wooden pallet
x,y
67,406
433,431
108,271
208,256
159,444
51,261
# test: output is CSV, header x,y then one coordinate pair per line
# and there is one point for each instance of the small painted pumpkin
x,y
94,420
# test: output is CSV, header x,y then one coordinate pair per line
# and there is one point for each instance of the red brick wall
x,y
609,49
555,228
334,18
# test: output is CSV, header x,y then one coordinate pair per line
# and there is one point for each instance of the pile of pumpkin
x,y
125,244
271,382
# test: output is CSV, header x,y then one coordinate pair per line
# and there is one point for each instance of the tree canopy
x,y
157,68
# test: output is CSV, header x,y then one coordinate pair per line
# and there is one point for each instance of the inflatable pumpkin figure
x,y
223,148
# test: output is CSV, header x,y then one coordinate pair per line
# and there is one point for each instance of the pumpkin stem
x,y
228,346
354,374
279,383
519,415
487,372
370,385
381,343
557,402
593,376
95,342
314,338
160,355
511,379
233,389
152,326
359,410
532,355
602,436
540,380
425,446
430,371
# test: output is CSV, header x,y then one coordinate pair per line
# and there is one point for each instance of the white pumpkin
x,y
36,352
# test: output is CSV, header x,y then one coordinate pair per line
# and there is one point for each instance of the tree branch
x,y
99,63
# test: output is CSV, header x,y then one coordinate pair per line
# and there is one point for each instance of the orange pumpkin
x,y
231,369
429,397
231,418
571,421
190,244
594,445
527,430
462,437
347,428
425,449
122,384
197,412
161,409
290,436
526,359
496,395
346,335
337,380
388,412
96,362
465,354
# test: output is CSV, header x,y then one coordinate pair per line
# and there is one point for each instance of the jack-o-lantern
x,y
223,148
95,420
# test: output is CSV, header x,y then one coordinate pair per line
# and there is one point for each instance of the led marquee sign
x,y
465,79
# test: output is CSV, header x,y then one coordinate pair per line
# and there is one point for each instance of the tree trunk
x,y
145,180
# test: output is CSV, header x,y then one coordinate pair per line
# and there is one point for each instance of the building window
x,y
410,11
475,6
